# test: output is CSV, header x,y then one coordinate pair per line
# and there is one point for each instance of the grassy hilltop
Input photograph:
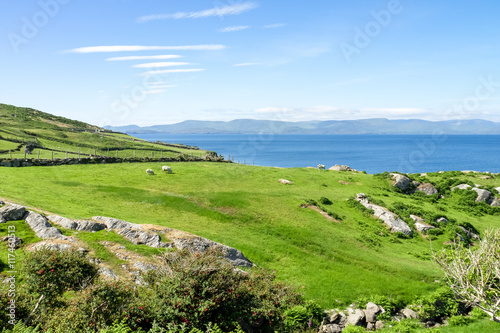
x,y
53,136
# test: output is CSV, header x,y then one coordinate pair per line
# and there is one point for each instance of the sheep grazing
x,y
150,172
321,167
166,169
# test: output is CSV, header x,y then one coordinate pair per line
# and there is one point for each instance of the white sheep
x,y
166,169
150,172
321,167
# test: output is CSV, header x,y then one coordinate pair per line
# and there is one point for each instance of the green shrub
x,y
51,272
353,329
196,289
477,314
459,321
325,201
438,305
403,326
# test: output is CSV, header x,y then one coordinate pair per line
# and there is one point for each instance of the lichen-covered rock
x,y
421,226
427,188
409,313
389,218
42,228
108,273
461,187
12,212
400,181
113,223
200,244
482,195
83,225
357,318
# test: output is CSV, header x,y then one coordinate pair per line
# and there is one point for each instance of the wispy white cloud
x,y
156,57
154,91
165,86
164,71
130,48
161,64
234,28
216,11
274,110
247,64
274,26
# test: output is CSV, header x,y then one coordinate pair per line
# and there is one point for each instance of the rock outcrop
x,y
461,187
482,195
427,188
200,244
42,227
338,167
12,212
389,218
131,231
400,181
79,225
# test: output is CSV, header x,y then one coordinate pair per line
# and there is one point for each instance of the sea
x,y
370,153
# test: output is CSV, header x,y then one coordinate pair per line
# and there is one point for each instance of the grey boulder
x,y
84,225
427,188
12,212
42,228
400,181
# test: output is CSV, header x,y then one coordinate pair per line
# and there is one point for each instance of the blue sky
x,y
146,62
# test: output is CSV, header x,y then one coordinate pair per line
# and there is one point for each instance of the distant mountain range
x,y
362,126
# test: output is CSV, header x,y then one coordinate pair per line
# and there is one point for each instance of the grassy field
x,y
247,208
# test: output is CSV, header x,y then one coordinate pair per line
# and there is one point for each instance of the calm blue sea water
x,y
372,153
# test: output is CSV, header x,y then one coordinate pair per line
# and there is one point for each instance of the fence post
x,y
24,153
10,153
117,153
152,154
108,152
52,155
95,152
38,154
78,153
66,154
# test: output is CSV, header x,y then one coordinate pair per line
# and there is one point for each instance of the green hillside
x,y
52,136
247,208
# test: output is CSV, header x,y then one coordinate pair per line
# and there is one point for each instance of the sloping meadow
x,y
245,207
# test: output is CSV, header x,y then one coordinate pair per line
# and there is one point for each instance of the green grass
x,y
247,208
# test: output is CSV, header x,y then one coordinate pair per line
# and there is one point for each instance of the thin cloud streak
x,y
216,11
161,64
164,71
274,26
157,57
234,28
133,48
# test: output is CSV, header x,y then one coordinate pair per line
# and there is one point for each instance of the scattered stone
x,y
108,273
42,228
409,313
486,177
416,218
2,203
379,325
498,189
330,328
427,188
495,202
12,212
343,182
51,246
144,267
388,217
442,220
422,227
286,182
357,318
400,181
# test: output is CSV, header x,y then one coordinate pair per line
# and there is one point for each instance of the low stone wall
x,y
22,162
